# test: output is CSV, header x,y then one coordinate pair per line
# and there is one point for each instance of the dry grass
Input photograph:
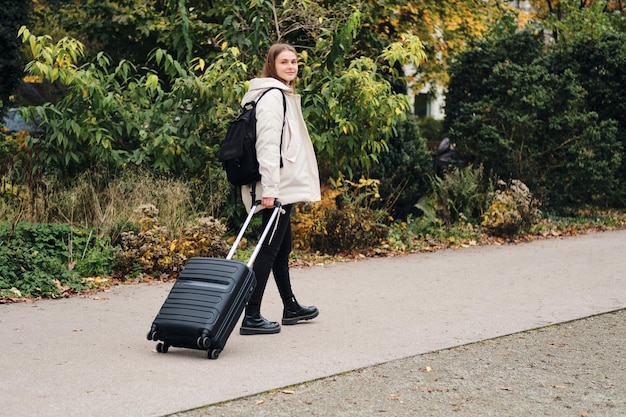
x,y
111,208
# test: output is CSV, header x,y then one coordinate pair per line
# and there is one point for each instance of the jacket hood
x,y
258,85
265,83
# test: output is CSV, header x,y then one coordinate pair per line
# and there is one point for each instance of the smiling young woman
x,y
289,174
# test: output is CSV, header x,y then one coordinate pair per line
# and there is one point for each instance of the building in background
x,y
425,103
523,5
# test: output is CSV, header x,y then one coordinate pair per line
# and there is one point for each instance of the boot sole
x,y
248,331
294,320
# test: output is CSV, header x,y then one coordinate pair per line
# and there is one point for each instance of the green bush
x,y
47,260
599,67
460,196
432,130
525,110
404,171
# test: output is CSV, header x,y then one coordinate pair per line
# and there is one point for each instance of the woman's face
x,y
286,66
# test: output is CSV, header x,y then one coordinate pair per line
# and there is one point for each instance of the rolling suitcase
x,y
207,299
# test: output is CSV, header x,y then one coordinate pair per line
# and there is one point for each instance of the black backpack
x,y
238,150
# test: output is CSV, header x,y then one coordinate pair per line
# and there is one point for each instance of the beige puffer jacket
x,y
298,179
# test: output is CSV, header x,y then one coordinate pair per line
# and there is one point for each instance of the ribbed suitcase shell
x,y
204,304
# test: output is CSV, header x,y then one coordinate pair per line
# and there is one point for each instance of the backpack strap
x,y
280,150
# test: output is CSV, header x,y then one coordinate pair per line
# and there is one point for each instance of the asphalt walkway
x,y
90,356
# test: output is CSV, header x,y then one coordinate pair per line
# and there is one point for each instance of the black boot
x,y
256,324
294,312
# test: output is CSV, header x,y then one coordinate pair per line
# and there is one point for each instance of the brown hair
x,y
269,69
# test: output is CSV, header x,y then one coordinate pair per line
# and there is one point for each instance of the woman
x,y
289,174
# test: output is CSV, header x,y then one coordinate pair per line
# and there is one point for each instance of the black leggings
x,y
273,256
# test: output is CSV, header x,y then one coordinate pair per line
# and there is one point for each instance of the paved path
x,y
90,357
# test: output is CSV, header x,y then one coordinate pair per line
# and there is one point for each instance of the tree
x,y
13,14
504,44
124,29
445,28
197,28
581,19
351,52
354,136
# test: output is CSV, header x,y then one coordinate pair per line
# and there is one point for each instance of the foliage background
x,y
543,113
135,96
13,14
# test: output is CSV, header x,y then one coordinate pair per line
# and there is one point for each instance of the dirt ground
x,y
575,369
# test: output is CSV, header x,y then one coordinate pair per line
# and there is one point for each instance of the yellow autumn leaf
x,y
200,65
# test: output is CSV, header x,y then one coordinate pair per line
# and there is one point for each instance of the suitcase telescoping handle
x,y
270,223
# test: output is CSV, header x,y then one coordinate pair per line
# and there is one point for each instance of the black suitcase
x,y
207,300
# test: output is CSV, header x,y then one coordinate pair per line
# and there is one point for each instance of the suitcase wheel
x,y
203,342
162,347
213,353
152,335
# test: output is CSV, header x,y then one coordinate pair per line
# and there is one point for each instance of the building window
x,y
422,105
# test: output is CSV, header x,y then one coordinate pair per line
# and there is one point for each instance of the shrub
x,y
460,195
343,221
403,171
599,66
48,260
203,238
143,251
544,115
432,130
308,225
350,229
512,209
154,250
